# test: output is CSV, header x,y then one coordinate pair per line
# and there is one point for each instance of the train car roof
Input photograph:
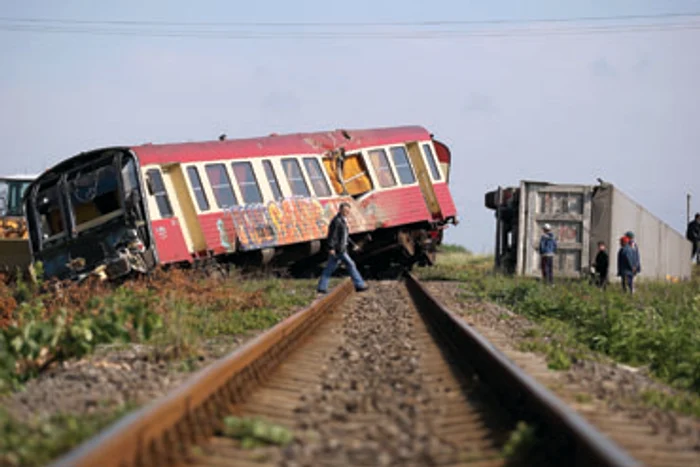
x,y
277,145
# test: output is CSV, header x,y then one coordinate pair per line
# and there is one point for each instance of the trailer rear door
x,y
567,208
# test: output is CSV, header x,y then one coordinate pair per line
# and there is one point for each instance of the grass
x,y
688,404
522,440
659,327
39,441
455,263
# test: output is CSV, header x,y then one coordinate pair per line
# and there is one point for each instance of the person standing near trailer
x,y
633,244
693,236
602,263
626,264
548,247
337,243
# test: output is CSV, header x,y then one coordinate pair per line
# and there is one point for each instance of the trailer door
x,y
567,208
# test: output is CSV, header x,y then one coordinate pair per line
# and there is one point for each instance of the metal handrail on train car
x,y
525,395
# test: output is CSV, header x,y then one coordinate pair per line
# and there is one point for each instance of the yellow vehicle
x,y
14,243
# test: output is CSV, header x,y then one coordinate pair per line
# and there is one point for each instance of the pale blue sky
x,y
564,108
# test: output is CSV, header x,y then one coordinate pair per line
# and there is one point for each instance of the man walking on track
x,y
337,242
548,247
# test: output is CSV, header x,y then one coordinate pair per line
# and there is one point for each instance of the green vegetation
x,y
446,248
39,326
684,403
657,327
176,313
255,432
522,440
456,263
44,329
38,442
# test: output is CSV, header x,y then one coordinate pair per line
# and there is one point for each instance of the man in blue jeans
x,y
337,242
547,249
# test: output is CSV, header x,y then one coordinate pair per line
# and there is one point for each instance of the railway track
x,y
384,378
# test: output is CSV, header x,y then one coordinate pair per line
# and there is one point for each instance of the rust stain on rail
x,y
185,416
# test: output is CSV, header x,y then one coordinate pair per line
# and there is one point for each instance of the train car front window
x,y
94,194
48,207
403,167
221,186
162,199
295,178
381,166
431,162
197,188
313,168
243,171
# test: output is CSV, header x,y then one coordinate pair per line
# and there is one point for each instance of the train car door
x,y
168,234
423,176
192,231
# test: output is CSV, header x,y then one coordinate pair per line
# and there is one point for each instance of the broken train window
x,y
94,194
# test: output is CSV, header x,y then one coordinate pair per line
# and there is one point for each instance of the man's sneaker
x,y
361,289
321,292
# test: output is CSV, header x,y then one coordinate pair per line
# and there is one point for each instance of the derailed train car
x,y
264,200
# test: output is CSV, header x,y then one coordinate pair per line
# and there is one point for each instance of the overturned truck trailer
x,y
580,217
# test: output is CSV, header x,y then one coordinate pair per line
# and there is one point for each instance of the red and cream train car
x,y
267,200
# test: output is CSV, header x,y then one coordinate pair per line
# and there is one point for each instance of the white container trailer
x,y
580,216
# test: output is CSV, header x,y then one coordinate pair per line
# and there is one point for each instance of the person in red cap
x,y
626,264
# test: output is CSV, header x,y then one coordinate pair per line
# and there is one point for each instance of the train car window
x,y
292,170
162,199
221,186
272,180
197,188
130,176
49,209
318,181
431,162
403,167
94,194
381,166
247,183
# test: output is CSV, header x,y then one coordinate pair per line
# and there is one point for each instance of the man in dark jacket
x,y
626,264
693,236
602,263
337,243
547,249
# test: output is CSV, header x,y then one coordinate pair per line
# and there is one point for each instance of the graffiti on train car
x,y
291,220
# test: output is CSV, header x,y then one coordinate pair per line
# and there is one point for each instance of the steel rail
x,y
161,432
519,391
